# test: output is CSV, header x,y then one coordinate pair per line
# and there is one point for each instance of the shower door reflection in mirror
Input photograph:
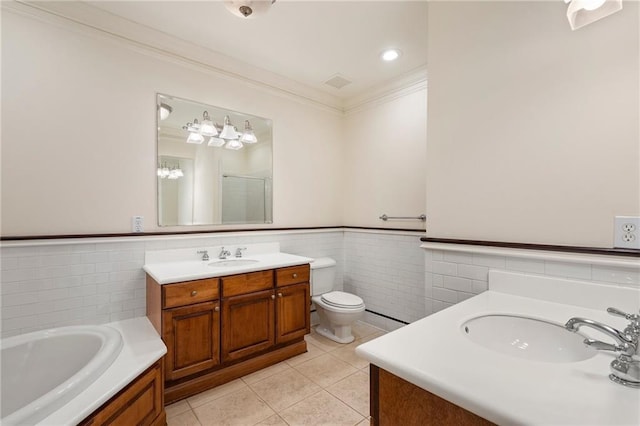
x,y
214,165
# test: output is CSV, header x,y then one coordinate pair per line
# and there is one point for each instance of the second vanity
x,y
223,318
438,371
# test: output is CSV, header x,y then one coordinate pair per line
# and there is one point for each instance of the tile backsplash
x,y
65,282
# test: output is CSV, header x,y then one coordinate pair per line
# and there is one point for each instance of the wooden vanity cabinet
x,y
219,329
187,316
192,336
394,401
293,303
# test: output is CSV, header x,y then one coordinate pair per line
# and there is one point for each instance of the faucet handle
x,y
619,313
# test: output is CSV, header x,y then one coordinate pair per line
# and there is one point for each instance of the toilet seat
x,y
342,300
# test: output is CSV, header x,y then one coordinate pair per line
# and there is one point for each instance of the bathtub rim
x,y
40,408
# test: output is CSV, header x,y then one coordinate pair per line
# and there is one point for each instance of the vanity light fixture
x,y
584,12
164,172
248,136
390,55
206,127
219,135
234,144
228,131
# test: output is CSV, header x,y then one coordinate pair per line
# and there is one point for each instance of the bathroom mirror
x,y
214,165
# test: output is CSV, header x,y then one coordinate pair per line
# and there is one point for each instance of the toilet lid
x,y
342,299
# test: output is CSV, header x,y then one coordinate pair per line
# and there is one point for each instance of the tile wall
x,y
61,282
454,276
57,283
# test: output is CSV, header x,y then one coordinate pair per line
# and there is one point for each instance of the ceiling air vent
x,y
337,81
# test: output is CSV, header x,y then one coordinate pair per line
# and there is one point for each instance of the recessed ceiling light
x,y
390,55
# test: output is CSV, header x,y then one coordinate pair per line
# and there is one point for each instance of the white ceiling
x,y
306,41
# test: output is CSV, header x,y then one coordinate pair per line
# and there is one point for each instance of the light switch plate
x,y
626,232
137,224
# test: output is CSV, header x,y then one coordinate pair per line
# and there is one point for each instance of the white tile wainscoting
x,y
454,273
50,283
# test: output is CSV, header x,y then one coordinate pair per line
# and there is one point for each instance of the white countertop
x,y
166,272
142,348
434,354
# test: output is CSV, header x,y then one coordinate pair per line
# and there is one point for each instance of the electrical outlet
x,y
626,232
137,224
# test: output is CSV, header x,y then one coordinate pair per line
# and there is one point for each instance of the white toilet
x,y
337,310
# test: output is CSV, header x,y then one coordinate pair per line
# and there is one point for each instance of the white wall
x,y
384,162
79,138
533,129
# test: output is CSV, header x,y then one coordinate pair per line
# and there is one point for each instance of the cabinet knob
x,y
217,309
279,294
193,293
273,296
295,275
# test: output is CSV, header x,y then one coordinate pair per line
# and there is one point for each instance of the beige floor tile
x,y
275,420
366,370
185,419
321,341
347,353
215,393
177,408
321,409
285,389
353,391
326,370
361,329
365,422
313,351
242,407
266,372
371,337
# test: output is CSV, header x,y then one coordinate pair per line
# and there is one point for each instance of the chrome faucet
x,y
625,369
239,251
205,254
224,253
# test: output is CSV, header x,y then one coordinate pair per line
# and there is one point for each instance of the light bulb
x,y
390,55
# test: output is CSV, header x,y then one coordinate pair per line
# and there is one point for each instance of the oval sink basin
x,y
527,338
230,263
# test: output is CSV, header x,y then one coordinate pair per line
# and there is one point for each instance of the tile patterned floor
x,y
328,385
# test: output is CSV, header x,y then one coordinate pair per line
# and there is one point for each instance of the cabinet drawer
x,y
190,292
292,275
247,283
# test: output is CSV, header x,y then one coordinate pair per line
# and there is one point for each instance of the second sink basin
x,y
527,338
229,263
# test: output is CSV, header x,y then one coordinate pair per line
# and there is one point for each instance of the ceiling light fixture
x,y
248,9
584,12
390,55
165,110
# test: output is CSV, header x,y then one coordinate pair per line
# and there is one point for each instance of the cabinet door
x,y
292,307
247,324
192,336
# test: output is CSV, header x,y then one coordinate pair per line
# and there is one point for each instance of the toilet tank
x,y
323,273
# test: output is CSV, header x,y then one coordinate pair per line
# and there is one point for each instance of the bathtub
x,y
44,370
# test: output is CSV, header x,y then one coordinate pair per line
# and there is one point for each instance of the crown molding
x,y
404,85
90,20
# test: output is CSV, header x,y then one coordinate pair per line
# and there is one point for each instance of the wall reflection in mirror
x,y
214,165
